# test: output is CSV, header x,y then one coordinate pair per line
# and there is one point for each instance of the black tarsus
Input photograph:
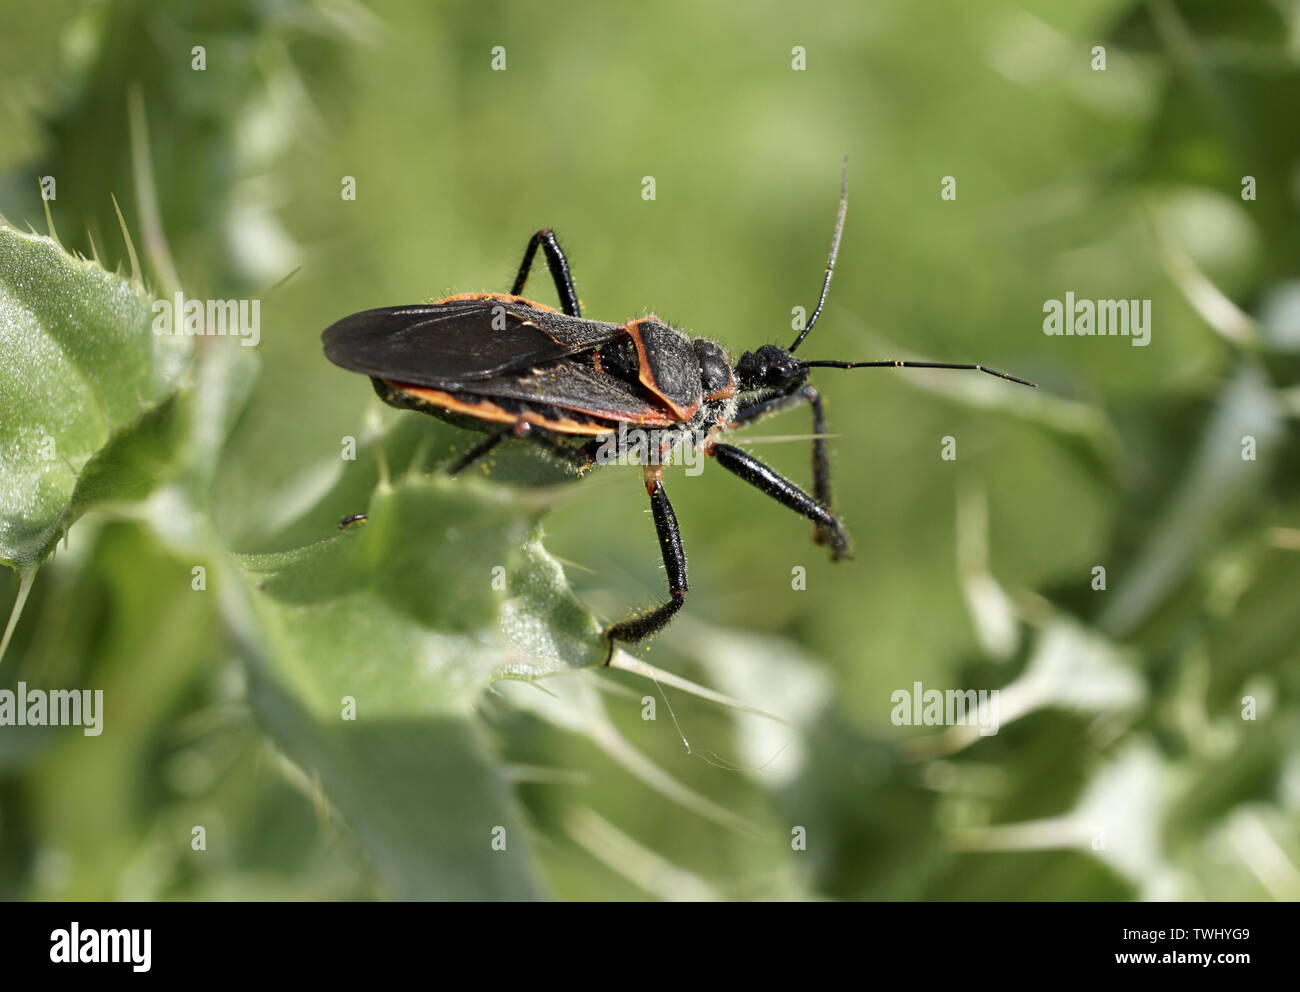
x,y
918,365
835,250
559,266
785,492
821,467
670,543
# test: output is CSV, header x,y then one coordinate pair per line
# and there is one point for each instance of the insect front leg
x,y
821,466
559,266
749,468
670,544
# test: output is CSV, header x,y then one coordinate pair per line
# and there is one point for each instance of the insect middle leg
x,y
559,266
749,468
670,544
821,466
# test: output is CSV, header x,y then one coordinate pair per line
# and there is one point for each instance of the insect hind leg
x,y
477,452
558,265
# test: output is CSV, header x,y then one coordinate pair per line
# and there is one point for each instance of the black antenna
x,y
835,250
916,365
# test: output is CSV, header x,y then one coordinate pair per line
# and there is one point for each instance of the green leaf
x,y
446,569
369,651
1217,488
424,796
86,393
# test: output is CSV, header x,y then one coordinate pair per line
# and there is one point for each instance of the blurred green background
x,y
1124,768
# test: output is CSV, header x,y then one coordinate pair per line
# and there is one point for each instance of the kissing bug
x,y
513,368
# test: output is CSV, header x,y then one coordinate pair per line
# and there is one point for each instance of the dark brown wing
x,y
459,340
568,396
575,386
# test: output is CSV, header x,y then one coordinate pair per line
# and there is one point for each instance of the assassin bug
x,y
514,368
